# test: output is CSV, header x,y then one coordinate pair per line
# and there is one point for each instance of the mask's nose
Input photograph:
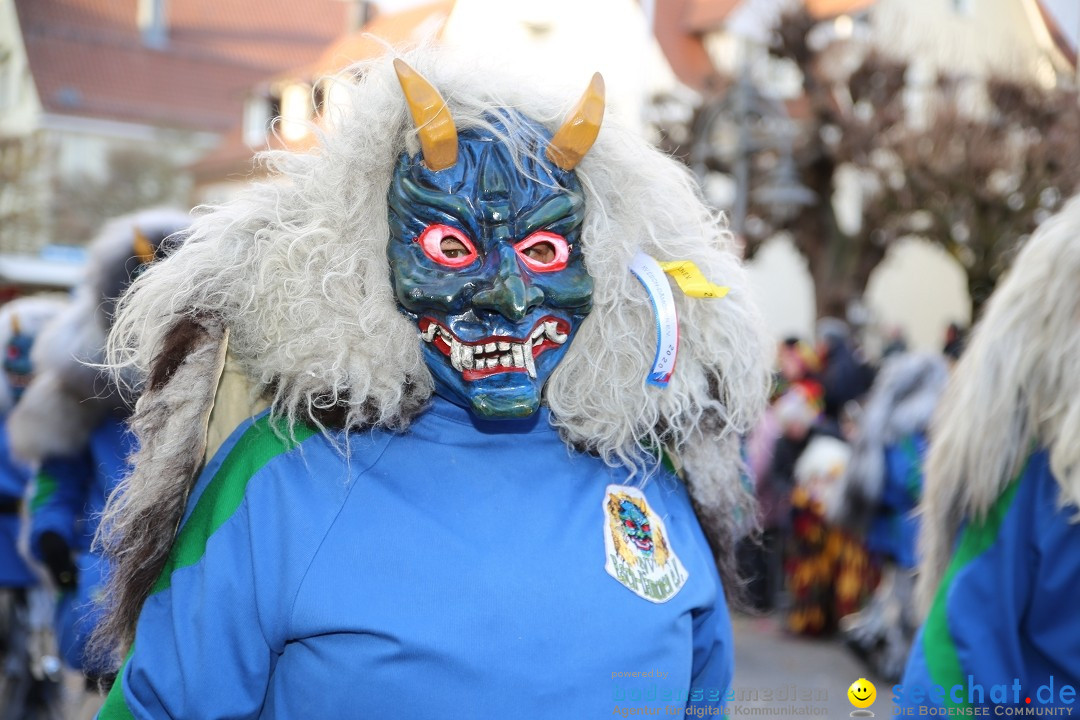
x,y
510,293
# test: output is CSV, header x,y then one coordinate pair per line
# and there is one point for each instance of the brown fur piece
x,y
170,421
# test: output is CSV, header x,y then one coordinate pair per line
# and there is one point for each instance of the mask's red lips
x,y
498,353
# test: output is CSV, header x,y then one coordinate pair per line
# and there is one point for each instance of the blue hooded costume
x,y
70,426
999,572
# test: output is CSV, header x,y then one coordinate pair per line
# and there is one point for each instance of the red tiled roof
x,y
234,157
832,8
87,57
400,30
683,48
705,15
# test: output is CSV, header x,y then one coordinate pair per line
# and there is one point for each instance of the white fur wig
x,y
1015,387
296,270
69,395
30,315
902,402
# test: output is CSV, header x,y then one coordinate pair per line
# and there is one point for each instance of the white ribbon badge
x,y
652,276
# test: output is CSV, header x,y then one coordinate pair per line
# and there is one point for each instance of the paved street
x,y
777,675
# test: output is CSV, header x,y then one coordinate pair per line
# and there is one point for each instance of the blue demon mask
x,y
17,364
485,258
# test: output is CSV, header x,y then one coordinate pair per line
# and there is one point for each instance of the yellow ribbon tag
x,y
691,281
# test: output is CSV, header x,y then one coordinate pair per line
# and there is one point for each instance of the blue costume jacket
x,y
1005,623
69,497
895,528
456,570
14,477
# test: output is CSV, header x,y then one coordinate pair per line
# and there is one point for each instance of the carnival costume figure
x,y
882,486
999,572
26,674
455,503
71,425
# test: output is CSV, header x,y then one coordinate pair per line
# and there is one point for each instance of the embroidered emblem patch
x,y
638,552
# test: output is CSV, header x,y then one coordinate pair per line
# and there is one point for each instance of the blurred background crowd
x,y
880,163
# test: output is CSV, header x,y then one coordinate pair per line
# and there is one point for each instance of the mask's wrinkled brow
x,y
562,211
565,210
457,207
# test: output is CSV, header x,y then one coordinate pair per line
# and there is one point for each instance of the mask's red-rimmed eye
x,y
544,251
447,246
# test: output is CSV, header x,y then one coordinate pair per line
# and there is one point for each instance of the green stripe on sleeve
x,y
116,707
256,447
940,651
222,496
44,488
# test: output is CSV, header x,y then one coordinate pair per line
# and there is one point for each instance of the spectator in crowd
x,y
71,426
882,485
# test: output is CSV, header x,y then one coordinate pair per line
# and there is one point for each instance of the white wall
x,y
920,288
783,289
567,41
19,105
969,38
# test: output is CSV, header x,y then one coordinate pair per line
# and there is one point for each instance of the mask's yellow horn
x,y
578,133
434,125
144,250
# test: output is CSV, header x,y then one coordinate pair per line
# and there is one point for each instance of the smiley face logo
x,y
862,693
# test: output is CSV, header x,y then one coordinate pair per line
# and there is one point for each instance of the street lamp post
x,y
756,119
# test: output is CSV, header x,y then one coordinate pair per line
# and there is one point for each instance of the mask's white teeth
x,y
455,354
505,360
530,364
489,348
519,354
504,346
551,331
429,334
467,356
491,362
537,333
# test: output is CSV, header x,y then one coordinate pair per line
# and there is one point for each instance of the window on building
x,y
318,97
261,113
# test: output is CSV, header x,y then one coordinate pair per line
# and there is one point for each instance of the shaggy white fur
x,y
1015,387
69,394
33,314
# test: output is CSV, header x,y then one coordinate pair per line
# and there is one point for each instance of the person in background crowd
x,y
26,688
798,364
760,556
882,486
71,425
845,375
895,343
827,571
999,573
955,339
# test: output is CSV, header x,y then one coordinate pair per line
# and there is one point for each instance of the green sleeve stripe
x,y
44,488
913,481
940,651
256,447
116,707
